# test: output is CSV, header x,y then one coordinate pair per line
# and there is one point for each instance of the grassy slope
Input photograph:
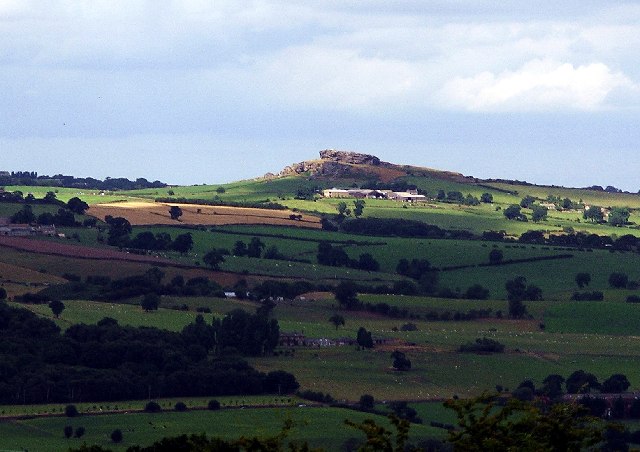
x,y
321,427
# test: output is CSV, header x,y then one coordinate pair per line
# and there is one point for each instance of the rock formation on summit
x,y
351,158
332,163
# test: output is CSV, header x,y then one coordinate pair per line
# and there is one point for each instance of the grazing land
x,y
580,290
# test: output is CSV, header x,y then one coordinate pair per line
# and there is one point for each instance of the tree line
x,y
108,362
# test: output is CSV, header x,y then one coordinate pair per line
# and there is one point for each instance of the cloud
x,y
538,85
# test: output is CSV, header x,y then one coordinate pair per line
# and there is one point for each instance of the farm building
x,y
24,230
406,196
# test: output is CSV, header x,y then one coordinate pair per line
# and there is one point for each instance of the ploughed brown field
x,y
154,213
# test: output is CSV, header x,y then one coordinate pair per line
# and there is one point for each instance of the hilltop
x,y
334,164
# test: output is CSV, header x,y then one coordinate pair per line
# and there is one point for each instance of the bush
x,y
633,299
213,405
116,436
71,411
618,280
180,406
596,295
152,407
409,327
484,345
79,432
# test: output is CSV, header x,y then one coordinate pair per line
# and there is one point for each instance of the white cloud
x,y
538,85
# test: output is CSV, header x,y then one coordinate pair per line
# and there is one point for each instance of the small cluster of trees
x,y
104,288
518,291
579,382
482,345
335,256
345,211
456,197
119,235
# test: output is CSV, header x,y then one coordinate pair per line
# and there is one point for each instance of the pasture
x,y
320,427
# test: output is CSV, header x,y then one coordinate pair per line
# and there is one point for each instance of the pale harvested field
x,y
154,213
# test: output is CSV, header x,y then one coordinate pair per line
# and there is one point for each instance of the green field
x,y
320,427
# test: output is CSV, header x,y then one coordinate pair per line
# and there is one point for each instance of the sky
x,y
194,91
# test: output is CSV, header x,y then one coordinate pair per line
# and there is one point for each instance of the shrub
x,y
71,411
79,432
633,299
152,407
409,327
213,405
180,406
116,436
618,280
482,345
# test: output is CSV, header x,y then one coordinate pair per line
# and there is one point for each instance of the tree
x,y
239,248
581,382
24,216
486,425
552,385
183,243
150,302
593,214
119,230
346,294
3,293
152,407
495,256
364,338
400,361
616,383
618,280
539,213
527,201
367,262
486,198
255,247
337,320
56,307
583,279
77,205
342,209
367,402
358,207
116,436
71,411
175,212
213,259
213,405
79,432
68,431
513,213
619,216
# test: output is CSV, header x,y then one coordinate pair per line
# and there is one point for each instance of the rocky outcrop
x,y
350,158
332,163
